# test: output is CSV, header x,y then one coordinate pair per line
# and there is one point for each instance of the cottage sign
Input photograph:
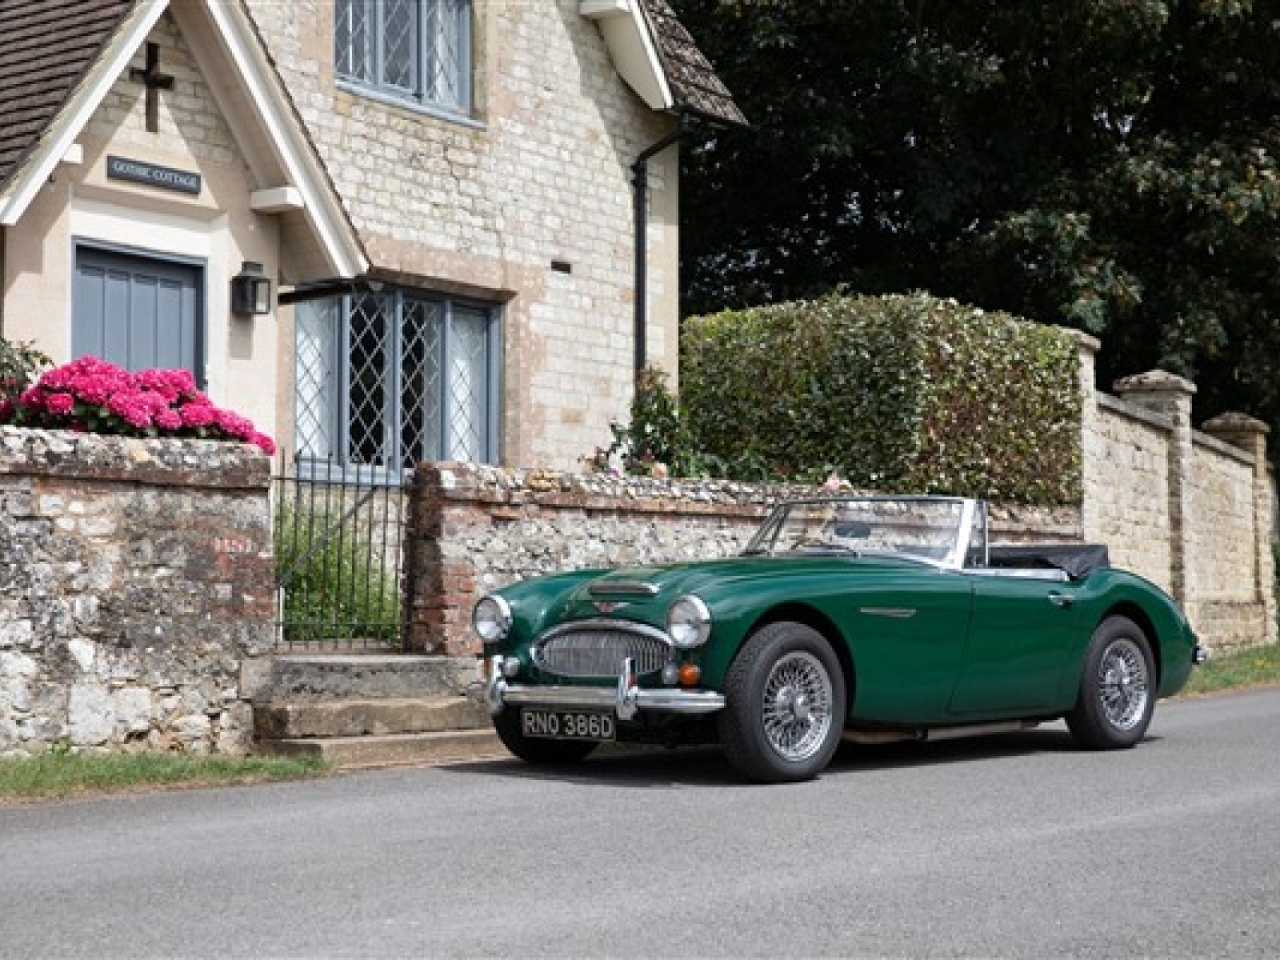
x,y
167,178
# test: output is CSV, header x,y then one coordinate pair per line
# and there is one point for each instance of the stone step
x,y
453,746
318,678
355,718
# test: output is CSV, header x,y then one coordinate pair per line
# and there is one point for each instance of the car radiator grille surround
x,y
595,651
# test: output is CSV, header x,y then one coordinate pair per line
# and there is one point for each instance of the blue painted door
x,y
138,312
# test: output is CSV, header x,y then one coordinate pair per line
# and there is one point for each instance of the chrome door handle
x,y
1060,599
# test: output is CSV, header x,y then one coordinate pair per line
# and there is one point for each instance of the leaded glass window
x,y
392,377
416,50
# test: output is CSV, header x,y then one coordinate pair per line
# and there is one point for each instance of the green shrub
x,y
337,586
905,393
20,365
656,440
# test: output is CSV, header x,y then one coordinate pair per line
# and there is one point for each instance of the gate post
x,y
1250,435
439,574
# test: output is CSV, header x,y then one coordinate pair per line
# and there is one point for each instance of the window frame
x,y
371,81
391,465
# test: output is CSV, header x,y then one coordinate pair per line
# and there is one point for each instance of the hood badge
x,y
609,606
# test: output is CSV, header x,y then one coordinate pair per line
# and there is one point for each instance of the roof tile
x,y
694,82
49,47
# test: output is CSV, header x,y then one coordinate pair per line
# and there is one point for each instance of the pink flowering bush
x,y
90,395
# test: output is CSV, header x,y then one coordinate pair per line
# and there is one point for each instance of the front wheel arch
x,y
818,621
786,704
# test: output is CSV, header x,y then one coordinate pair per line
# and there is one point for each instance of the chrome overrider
x,y
625,699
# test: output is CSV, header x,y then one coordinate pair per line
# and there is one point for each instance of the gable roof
x,y
73,51
695,86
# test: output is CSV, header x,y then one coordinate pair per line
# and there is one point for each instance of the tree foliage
x,y
1106,164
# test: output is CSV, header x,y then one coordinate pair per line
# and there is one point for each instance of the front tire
x,y
1117,690
535,749
786,705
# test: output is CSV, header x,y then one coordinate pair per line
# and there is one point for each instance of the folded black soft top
x,y
1076,560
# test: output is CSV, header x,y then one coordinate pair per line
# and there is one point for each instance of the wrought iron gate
x,y
339,555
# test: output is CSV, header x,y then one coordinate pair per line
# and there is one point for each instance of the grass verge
x,y
1248,667
59,774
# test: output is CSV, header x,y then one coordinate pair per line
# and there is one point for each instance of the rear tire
x,y
786,705
535,749
1117,689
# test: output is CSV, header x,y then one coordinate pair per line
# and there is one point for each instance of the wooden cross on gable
x,y
155,81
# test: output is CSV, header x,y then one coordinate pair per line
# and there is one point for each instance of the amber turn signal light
x,y
690,674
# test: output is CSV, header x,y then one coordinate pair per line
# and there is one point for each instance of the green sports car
x,y
860,618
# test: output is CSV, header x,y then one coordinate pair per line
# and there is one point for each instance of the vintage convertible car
x,y
863,618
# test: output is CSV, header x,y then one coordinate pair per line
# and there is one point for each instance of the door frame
x,y
200,264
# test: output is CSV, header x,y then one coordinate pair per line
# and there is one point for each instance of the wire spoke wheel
x,y
1117,687
786,704
1123,684
797,706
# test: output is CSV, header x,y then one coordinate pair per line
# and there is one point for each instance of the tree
x,y
1104,164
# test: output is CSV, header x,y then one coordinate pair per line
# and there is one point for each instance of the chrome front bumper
x,y
625,699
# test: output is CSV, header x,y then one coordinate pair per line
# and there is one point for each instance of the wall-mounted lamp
x,y
250,291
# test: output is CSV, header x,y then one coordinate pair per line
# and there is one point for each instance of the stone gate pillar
x,y
1169,395
1250,435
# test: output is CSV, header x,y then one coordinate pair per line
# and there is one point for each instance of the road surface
x,y
1017,846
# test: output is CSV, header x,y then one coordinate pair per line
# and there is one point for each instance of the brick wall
x,y
136,579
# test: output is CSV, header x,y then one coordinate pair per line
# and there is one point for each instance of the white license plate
x,y
567,725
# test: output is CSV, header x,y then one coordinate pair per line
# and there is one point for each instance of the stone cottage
x,y
386,230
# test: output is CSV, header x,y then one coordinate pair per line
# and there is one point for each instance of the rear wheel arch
x,y
1132,611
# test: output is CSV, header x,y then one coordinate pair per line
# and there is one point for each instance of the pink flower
x,y
197,414
132,407
59,404
234,425
167,419
94,389
160,401
171,384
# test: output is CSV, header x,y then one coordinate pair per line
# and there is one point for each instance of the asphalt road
x,y
1018,846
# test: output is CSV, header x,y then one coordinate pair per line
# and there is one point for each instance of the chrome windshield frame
x,y
967,536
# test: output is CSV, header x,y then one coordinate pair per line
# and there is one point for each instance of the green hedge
x,y
902,393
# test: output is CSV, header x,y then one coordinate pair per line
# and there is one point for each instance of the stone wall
x,y
1127,487
136,580
1191,510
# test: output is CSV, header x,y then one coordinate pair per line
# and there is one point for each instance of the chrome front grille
x,y
596,649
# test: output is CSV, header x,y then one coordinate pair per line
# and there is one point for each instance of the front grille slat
x,y
597,651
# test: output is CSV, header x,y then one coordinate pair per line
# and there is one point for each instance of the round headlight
x,y
491,619
688,622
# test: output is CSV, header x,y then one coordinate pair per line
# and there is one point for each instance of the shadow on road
x,y
660,768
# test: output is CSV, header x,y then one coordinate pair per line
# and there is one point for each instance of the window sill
x,y
409,106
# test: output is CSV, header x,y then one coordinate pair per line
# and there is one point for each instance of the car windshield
x,y
942,530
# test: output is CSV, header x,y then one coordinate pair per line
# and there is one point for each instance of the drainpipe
x,y
640,180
